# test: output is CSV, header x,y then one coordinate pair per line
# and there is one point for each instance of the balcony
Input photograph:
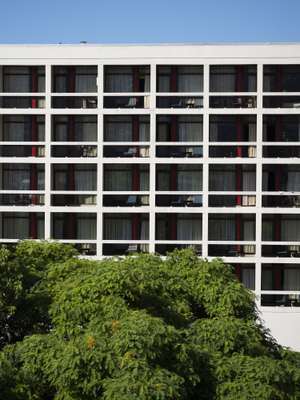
x,y
179,78
126,128
179,151
126,102
232,128
78,151
22,225
163,249
281,78
22,102
23,79
74,79
23,128
23,199
74,177
280,201
234,177
280,300
73,200
232,151
178,177
122,249
282,251
180,227
126,151
169,200
281,177
126,78
22,176
86,249
74,128
232,101
74,102
231,250
126,200
73,226
179,128
281,151
127,226
280,227
281,128
232,78
126,177
22,151
232,200
179,102
281,101
231,227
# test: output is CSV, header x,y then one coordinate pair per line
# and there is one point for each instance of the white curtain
x,y
249,180
61,132
190,131
222,229
14,131
118,83
16,179
117,229
189,180
86,228
252,131
222,180
293,182
60,180
190,83
118,180
248,278
87,132
267,279
267,231
17,227
144,131
85,83
223,82
118,132
40,228
162,180
290,230
189,229
61,83
144,229
164,83
144,180
147,83
17,83
291,279
85,179
249,230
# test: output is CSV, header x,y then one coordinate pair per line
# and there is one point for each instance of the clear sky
x,y
152,21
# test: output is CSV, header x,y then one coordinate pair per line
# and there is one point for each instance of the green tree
x,y
147,328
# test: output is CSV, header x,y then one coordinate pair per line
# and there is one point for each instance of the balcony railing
x,y
126,151
179,102
130,200
163,249
281,101
232,151
232,101
73,200
280,151
179,151
74,102
22,102
22,151
166,200
231,250
74,151
126,101
122,249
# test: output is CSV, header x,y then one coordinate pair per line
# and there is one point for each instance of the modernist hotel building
x,y
136,148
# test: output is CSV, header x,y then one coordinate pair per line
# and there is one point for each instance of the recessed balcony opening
x,y
73,200
74,102
245,274
86,249
179,151
169,200
22,151
74,128
232,200
281,128
126,128
126,151
281,78
79,177
23,199
281,101
126,78
126,102
179,78
232,78
280,151
280,277
22,176
171,226
164,249
74,79
284,250
126,177
21,225
232,128
281,227
22,102
126,200
280,201
232,101
22,128
179,128
280,300
122,249
231,227
232,177
179,102
127,226
281,177
232,151
75,151
23,79
75,226
178,177
231,250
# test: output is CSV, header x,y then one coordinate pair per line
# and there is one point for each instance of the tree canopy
x,y
140,327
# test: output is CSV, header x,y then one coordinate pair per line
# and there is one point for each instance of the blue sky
x,y
135,21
